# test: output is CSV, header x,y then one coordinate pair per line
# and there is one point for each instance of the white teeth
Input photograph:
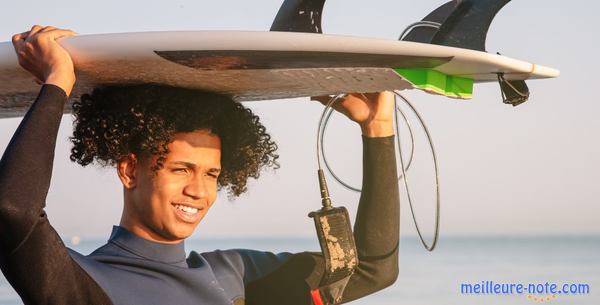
x,y
186,209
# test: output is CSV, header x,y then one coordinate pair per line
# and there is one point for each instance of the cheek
x,y
164,189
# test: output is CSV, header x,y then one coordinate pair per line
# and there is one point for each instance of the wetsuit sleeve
x,y
32,256
376,232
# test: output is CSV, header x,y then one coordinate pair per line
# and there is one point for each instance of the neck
x,y
146,233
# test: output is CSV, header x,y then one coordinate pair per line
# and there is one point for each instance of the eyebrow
x,y
193,166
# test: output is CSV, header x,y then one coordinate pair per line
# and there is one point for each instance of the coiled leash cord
x,y
326,115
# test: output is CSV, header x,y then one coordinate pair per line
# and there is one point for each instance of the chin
x,y
181,231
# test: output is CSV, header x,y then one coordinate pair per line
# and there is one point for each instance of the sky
x,y
527,170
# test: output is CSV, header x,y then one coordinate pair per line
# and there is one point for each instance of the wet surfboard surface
x,y
260,65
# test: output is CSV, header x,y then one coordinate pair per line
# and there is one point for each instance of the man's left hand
x,y
372,111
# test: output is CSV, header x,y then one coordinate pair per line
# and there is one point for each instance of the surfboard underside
x,y
244,85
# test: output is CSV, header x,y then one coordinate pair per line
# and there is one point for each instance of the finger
x,y
356,98
59,33
47,28
18,40
34,30
20,36
338,106
371,96
344,103
359,95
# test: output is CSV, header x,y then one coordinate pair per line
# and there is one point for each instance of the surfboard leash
x,y
323,123
336,239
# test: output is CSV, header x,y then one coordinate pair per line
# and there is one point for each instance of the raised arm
x,y
377,224
32,255
289,279
26,165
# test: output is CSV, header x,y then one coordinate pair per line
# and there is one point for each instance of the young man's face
x,y
167,205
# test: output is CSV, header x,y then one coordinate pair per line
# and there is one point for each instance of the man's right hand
x,y
44,58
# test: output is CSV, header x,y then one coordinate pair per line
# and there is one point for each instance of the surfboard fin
x,y
425,30
299,16
464,24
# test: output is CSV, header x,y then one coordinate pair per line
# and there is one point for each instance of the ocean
x,y
437,277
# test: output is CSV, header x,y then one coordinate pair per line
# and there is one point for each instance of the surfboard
x,y
265,65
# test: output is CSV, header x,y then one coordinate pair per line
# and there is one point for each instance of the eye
x,y
181,170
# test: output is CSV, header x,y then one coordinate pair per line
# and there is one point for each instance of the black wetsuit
x,y
129,270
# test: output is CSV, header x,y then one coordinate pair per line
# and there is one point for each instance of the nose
x,y
197,188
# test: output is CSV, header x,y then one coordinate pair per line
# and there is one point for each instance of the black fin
x,y
299,16
468,24
425,34
464,24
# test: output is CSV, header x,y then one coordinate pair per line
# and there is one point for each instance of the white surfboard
x,y
265,65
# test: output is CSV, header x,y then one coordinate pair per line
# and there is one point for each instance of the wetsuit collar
x,y
165,253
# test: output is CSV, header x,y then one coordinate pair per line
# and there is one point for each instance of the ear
x,y
126,169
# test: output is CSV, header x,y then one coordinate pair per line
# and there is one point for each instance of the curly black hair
x,y
117,120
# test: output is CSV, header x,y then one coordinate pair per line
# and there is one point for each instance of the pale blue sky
x,y
528,170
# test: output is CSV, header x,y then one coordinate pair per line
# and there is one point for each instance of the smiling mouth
x,y
187,209
187,213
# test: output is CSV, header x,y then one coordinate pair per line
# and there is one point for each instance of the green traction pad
x,y
438,82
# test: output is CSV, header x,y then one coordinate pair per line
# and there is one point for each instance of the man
x,y
171,154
